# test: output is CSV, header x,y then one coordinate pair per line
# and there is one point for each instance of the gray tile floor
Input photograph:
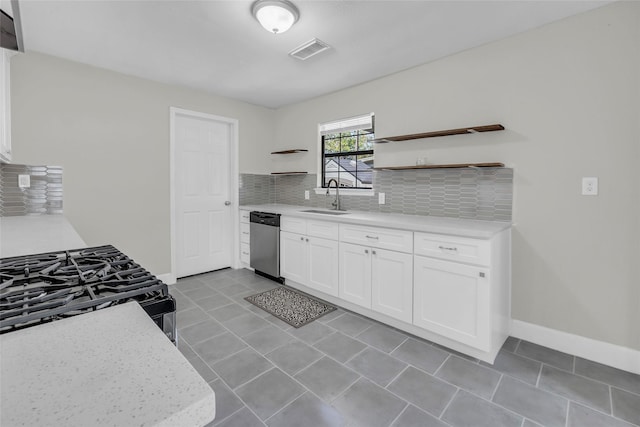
x,y
346,370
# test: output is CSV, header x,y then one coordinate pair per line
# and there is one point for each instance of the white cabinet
x,y
451,290
355,274
245,237
293,257
377,278
392,284
306,258
461,288
323,265
5,106
452,300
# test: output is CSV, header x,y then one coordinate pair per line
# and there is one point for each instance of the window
x,y
347,152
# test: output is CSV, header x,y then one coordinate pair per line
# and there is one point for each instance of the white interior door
x,y
203,218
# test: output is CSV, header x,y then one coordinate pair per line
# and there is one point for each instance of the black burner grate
x,y
45,287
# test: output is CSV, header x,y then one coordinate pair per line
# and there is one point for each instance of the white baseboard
x,y
614,355
167,278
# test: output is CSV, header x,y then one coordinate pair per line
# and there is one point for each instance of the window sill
x,y
347,191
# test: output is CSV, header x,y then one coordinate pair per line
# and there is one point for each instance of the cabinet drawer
x,y
245,253
460,249
245,233
244,216
324,229
384,238
293,225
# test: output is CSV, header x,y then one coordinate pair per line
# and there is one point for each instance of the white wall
x,y
110,133
569,96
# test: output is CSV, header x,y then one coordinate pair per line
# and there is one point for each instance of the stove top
x,y
45,287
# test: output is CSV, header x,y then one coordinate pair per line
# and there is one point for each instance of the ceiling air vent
x,y
309,49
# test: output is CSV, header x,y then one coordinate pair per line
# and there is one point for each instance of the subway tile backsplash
x,y
471,193
43,197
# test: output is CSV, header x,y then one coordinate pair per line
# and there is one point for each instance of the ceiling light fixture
x,y
276,16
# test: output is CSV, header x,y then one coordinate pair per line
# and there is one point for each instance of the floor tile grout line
x,y
397,376
441,365
354,356
495,390
220,421
406,338
285,406
349,387
537,385
400,413
595,380
449,403
243,402
611,399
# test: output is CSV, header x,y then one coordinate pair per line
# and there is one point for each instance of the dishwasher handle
x,y
266,218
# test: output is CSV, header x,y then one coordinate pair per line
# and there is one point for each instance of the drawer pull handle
x,y
373,252
302,238
245,232
245,253
444,248
371,237
366,251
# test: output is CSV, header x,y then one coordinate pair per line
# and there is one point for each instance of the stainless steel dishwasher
x,y
264,230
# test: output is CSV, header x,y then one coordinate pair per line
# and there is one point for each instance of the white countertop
x,y
111,367
34,234
429,224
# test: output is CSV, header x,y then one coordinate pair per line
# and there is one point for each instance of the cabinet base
x,y
486,356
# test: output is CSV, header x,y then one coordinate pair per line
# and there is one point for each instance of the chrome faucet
x,y
336,202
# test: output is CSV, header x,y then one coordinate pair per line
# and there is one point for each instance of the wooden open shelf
x,y
295,150
448,132
288,173
450,166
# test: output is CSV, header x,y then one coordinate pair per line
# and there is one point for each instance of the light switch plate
x,y
306,194
590,186
24,181
381,199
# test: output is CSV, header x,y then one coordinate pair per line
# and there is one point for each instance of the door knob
x,y
227,203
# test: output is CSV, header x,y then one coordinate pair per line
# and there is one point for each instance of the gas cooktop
x,y
45,287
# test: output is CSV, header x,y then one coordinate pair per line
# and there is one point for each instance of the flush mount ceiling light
x,y
276,16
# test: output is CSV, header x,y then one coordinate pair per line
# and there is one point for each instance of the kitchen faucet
x,y
336,202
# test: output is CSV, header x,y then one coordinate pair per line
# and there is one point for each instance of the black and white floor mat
x,y
295,308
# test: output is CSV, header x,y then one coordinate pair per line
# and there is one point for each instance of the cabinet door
x,y
355,274
293,257
452,300
392,284
323,265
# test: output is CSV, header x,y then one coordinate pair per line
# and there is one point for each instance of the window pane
x,y
331,170
348,143
332,145
365,142
364,173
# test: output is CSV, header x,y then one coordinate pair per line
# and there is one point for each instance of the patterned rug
x,y
295,308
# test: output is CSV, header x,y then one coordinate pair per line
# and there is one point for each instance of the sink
x,y
316,211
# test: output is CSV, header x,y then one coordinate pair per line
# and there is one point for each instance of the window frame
x,y
360,130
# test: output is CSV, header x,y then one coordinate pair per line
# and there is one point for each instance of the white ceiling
x,y
218,47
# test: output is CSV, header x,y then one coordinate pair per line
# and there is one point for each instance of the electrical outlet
x,y
590,186
306,195
381,199
24,181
